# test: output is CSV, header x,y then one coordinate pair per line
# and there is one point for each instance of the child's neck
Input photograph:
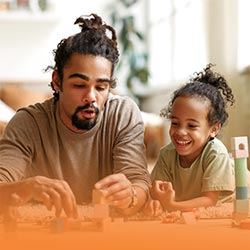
x,y
185,163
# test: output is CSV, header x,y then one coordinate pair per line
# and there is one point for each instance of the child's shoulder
x,y
216,146
168,149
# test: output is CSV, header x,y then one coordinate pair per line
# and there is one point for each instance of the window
x,y
244,35
176,39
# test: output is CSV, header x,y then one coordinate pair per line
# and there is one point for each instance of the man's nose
x,y
90,96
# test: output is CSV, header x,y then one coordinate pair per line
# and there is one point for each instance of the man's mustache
x,y
80,108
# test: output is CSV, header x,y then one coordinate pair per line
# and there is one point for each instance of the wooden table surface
x,y
132,235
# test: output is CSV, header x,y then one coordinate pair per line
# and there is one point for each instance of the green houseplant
x,y
134,58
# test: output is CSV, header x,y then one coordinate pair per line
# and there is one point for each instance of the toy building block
x,y
11,214
242,193
62,224
241,206
97,197
239,147
188,218
245,224
101,206
101,211
10,219
237,218
58,225
240,172
73,224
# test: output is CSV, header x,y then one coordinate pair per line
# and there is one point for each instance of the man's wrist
x,y
134,198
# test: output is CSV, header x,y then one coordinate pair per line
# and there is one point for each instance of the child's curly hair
x,y
206,85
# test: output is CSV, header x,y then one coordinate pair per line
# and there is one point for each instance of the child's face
x,y
190,130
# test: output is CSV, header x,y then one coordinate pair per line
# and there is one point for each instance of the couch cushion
x,y
15,96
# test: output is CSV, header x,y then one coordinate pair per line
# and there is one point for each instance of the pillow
x,y
15,96
6,112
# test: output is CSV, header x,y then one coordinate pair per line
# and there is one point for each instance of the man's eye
x,y
174,123
79,86
101,88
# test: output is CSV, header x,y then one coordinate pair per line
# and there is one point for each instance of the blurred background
x,y
162,43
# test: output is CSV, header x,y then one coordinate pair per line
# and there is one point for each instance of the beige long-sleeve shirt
x,y
36,142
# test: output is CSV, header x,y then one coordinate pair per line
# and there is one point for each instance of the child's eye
x,y
174,123
192,126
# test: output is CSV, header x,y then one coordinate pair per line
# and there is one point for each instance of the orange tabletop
x,y
131,235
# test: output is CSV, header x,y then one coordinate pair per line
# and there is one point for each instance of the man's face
x,y
84,91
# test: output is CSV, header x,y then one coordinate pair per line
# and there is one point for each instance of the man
x,y
83,138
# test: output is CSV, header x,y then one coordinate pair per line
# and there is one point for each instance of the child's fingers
x,y
149,208
164,186
157,208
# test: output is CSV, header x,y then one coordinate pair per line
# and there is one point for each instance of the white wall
x,y
27,39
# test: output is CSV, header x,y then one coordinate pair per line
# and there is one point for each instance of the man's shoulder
x,y
39,112
120,99
119,102
43,107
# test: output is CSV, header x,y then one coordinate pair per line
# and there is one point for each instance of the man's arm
x,y
121,193
51,192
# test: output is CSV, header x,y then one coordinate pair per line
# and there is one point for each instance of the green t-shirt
x,y
213,170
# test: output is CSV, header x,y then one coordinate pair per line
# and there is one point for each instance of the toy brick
x,y
241,206
188,218
241,193
98,198
240,172
73,224
57,225
239,146
10,219
96,225
240,154
238,217
101,211
245,224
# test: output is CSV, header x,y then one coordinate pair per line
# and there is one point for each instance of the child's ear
x,y
56,81
215,130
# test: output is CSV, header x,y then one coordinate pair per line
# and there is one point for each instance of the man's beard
x,y
85,124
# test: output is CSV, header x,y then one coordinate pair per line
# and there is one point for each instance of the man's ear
x,y
215,129
56,81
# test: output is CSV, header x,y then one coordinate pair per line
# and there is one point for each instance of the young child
x,y
195,169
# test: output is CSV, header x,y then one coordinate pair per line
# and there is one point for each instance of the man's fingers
x,y
109,180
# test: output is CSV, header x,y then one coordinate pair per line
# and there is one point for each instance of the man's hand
x,y
51,192
117,189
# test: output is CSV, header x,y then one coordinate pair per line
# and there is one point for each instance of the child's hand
x,y
164,192
153,208
158,189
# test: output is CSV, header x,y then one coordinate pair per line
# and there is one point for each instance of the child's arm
x,y
153,208
164,192
206,200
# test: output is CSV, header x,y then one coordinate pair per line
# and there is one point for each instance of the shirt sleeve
x,y
218,173
129,153
161,170
16,147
